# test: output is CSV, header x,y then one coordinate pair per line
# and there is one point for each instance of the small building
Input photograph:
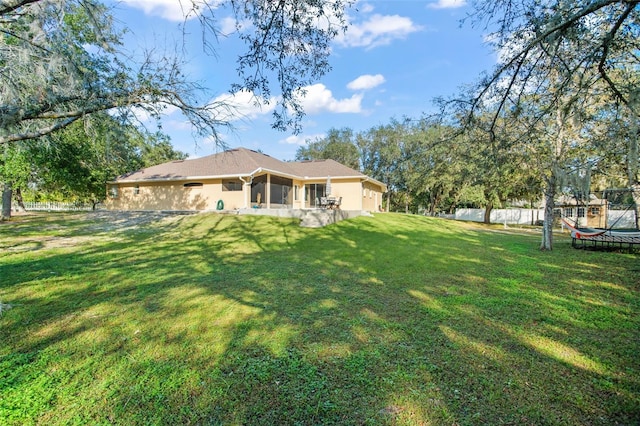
x,y
242,178
592,214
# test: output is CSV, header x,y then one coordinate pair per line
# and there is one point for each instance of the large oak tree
x,y
61,60
557,59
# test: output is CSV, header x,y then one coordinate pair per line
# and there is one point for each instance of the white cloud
x,y
365,8
378,30
147,114
172,10
319,99
508,48
227,25
448,4
177,124
242,105
366,81
301,139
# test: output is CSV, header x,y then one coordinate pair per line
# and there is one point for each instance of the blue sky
x,y
396,57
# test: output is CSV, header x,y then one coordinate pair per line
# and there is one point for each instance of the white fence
x,y
615,218
54,206
509,216
621,219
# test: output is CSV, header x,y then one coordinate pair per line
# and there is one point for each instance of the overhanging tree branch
x,y
42,131
9,6
63,58
605,50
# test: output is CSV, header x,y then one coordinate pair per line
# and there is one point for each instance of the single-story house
x,y
242,178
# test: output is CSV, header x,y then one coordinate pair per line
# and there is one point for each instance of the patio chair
x,y
323,202
338,202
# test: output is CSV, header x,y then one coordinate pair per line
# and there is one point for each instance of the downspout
x,y
244,184
250,181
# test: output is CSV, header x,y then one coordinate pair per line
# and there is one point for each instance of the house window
x,y
296,193
136,190
231,185
193,185
580,211
113,191
595,211
568,212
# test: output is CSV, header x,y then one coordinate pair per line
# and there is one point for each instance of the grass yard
x,y
392,319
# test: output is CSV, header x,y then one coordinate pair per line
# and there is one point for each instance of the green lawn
x,y
392,319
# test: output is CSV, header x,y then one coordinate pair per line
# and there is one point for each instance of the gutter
x,y
180,178
260,169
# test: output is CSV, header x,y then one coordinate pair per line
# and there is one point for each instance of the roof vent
x,y
258,152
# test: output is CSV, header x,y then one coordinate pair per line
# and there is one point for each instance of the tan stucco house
x,y
240,179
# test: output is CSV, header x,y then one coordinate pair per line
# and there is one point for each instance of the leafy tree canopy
x,y
577,45
338,145
75,163
62,59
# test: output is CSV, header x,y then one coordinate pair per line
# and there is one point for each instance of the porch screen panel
x,y
281,189
259,186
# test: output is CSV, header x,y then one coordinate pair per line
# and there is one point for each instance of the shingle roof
x,y
322,169
239,162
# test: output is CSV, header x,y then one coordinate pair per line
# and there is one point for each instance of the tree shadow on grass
x,y
224,321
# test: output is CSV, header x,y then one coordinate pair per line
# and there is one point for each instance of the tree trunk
x,y
552,181
487,213
7,194
635,193
549,204
533,219
632,170
434,203
17,195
